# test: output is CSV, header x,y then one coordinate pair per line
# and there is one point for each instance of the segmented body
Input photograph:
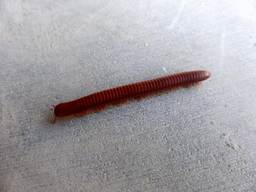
x,y
102,100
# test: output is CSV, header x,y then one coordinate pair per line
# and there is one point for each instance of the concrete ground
x,y
198,139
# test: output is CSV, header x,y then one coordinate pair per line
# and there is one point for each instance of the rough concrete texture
x,y
198,139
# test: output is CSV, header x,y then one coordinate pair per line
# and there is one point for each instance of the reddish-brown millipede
x,y
120,95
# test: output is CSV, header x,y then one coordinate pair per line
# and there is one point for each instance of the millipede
x,y
127,93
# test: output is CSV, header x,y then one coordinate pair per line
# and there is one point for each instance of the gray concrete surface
x,y
198,139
